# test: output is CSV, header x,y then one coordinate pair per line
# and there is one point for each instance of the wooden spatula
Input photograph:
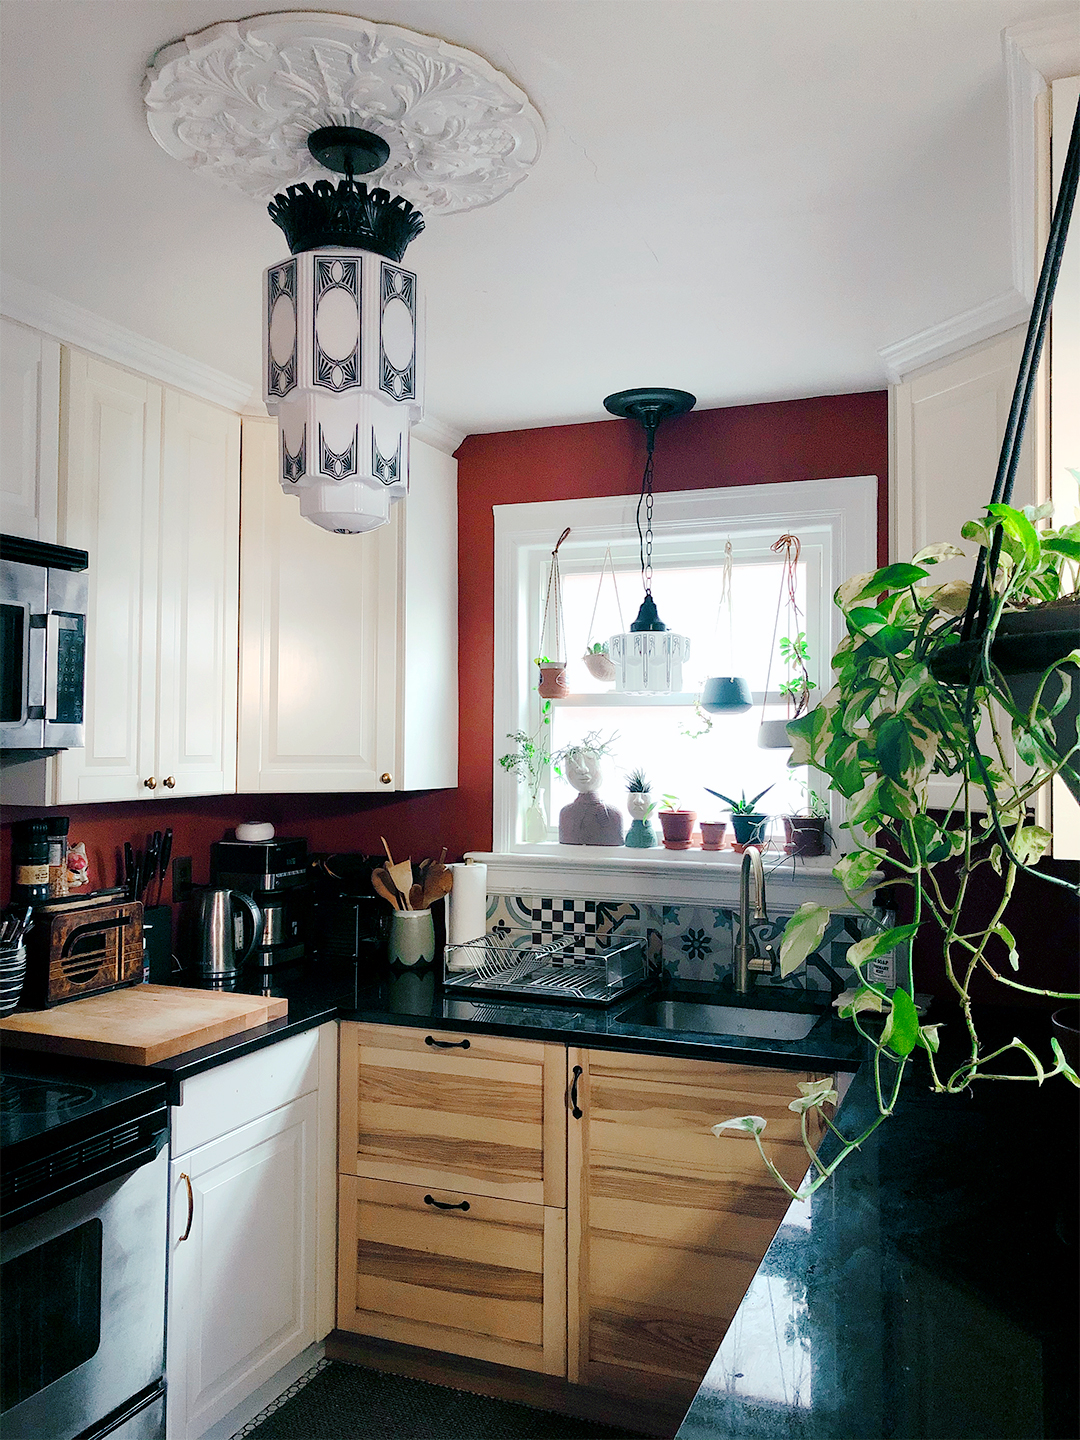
x,y
384,886
438,881
401,878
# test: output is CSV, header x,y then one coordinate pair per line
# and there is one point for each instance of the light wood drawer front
x,y
486,1278
487,1117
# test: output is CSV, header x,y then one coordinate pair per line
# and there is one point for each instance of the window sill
x,y
595,872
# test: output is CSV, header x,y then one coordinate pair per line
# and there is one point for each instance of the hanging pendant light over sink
x,y
648,658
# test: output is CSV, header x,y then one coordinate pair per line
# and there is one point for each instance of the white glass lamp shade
x,y
648,662
343,373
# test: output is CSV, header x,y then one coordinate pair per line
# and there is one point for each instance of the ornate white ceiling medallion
x,y
238,100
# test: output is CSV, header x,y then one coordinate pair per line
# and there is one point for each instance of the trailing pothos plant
x,y
885,728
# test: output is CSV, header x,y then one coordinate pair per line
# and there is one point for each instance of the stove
x,y
83,1205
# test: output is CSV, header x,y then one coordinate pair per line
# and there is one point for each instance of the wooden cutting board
x,y
140,1025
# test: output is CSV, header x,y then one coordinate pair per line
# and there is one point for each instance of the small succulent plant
x,y
743,806
636,783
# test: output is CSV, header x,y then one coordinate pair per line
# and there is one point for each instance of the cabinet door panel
x,y
111,451
198,627
488,1119
483,1279
319,616
29,431
668,1223
242,1285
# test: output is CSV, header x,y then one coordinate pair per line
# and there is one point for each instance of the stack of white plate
x,y
12,975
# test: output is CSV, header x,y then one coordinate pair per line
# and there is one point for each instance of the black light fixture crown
x,y
349,213
649,406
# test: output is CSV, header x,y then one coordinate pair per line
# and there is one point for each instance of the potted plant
x,y
746,820
677,825
587,820
530,761
640,804
794,651
712,834
553,632
805,832
888,725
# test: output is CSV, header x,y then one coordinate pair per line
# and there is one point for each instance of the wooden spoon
x,y
401,878
384,886
438,882
416,897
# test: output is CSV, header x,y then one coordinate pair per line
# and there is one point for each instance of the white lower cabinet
x,y
251,1230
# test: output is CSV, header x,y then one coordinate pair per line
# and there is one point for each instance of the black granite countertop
x,y
928,1291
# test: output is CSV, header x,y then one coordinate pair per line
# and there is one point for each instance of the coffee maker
x,y
274,873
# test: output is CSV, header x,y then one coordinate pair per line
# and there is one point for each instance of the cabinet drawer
x,y
476,1113
486,1278
220,1100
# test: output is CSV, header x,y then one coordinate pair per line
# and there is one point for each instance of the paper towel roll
x,y
467,906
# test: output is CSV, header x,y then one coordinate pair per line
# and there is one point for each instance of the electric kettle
x,y
214,927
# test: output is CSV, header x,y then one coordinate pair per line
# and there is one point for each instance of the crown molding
x,y
1036,53
1003,312
72,325
438,434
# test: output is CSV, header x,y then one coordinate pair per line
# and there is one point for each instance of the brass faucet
x,y
744,963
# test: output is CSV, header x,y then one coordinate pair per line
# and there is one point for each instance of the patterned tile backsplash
x,y
690,942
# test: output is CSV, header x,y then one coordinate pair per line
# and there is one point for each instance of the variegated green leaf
x,y
929,1038
933,554
853,1002
1006,934
854,870
746,1124
901,1032
815,1093
1031,843
802,936
874,945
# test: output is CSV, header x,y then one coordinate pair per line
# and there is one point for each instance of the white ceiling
x,y
747,199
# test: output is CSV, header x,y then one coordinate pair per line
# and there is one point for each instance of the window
x,y
835,521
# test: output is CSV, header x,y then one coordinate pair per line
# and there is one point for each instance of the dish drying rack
x,y
512,964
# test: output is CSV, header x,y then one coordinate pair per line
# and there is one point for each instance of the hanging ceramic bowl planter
x,y
598,661
772,734
553,633
726,694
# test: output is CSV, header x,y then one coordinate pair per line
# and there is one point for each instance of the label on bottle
x,y
34,874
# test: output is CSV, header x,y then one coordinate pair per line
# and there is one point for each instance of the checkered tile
x,y
576,919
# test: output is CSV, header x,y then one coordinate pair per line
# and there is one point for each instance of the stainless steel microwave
x,y
43,594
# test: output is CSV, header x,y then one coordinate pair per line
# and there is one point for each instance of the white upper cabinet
x,y
149,487
29,431
348,648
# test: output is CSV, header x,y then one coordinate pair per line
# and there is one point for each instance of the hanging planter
x,y
553,684
597,659
726,694
772,734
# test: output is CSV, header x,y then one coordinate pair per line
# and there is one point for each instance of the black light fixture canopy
x,y
348,150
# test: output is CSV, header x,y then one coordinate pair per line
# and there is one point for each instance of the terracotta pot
x,y
553,681
805,835
749,829
712,834
678,827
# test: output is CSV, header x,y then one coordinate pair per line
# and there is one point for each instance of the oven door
x,y
83,1319
23,603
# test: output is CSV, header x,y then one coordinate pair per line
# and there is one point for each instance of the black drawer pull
x,y
575,1108
446,1044
444,1205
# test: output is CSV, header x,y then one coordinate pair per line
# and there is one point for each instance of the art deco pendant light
x,y
268,106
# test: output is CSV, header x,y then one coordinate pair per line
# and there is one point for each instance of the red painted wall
x,y
823,438
826,437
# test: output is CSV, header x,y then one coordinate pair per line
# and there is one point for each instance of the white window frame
x,y
842,513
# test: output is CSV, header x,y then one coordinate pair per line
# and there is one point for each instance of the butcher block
x,y
141,1025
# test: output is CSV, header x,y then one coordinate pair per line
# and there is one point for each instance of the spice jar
x,y
57,831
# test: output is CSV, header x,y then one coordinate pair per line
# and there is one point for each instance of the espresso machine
x,y
274,873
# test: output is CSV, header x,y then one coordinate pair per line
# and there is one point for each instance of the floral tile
x,y
617,916
507,913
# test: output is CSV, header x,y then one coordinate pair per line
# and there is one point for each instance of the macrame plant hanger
x,y
726,694
772,734
597,661
553,631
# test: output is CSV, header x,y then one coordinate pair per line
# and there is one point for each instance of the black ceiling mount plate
x,y
650,405
348,150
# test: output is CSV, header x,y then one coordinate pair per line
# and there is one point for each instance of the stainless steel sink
x,y
720,1019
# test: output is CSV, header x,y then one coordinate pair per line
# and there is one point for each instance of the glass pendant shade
x,y
726,694
342,371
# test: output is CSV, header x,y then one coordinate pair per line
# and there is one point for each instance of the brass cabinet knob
x,y
169,782
150,784
386,778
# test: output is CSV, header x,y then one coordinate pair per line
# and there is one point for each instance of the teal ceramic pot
x,y
749,829
726,693
640,836
412,938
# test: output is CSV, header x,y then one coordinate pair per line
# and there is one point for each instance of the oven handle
x,y
190,1207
